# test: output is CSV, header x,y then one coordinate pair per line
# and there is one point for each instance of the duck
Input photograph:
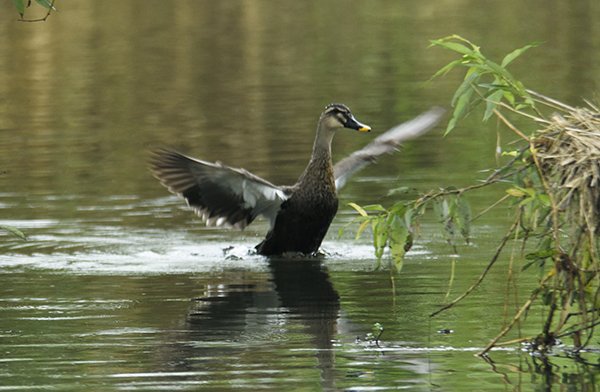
x,y
299,215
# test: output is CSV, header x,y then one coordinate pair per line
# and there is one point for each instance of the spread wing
x,y
386,143
219,194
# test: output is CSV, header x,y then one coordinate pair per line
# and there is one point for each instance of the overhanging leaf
x,y
362,228
460,110
453,46
465,86
464,218
515,192
16,232
380,236
359,209
46,4
398,237
20,6
446,68
491,102
516,53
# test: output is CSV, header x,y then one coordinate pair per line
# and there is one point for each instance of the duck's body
x,y
305,216
300,214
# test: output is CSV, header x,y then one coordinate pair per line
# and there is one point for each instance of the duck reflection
x,y
300,291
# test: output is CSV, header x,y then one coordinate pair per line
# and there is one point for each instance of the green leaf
x,y
438,209
362,228
380,236
46,4
453,46
377,329
509,97
398,209
511,153
409,217
491,102
398,238
464,217
460,110
516,53
20,6
544,199
374,207
515,192
399,191
446,68
498,70
359,209
465,86
14,231
540,254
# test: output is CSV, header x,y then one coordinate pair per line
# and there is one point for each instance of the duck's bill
x,y
352,123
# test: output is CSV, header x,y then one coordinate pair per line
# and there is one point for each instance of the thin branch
x,y
510,125
516,318
547,100
43,19
487,209
513,341
503,242
522,113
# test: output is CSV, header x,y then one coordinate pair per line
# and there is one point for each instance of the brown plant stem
x,y
503,242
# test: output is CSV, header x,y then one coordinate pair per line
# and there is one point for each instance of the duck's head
x,y
337,115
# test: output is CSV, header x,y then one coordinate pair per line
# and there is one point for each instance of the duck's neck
x,y
319,171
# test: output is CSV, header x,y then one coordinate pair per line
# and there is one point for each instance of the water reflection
x,y
301,290
547,371
305,290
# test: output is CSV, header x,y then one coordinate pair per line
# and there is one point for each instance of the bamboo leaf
x,y
516,53
409,217
453,46
46,4
398,238
460,110
446,68
380,236
544,199
362,228
14,231
465,86
515,192
491,102
509,97
20,6
399,191
359,209
374,207
464,218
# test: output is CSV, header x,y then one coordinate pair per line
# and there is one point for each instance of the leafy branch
x,y
21,5
552,182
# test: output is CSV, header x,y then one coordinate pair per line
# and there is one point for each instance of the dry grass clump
x,y
568,150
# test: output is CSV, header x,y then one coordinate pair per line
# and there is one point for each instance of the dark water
x,y
119,286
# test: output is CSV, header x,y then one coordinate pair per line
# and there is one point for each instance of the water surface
x,y
119,286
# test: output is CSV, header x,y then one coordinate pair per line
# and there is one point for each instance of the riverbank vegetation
x,y
551,176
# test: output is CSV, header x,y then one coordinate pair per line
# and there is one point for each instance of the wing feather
x,y
385,143
219,194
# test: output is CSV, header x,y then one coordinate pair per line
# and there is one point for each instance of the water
x,y
120,288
